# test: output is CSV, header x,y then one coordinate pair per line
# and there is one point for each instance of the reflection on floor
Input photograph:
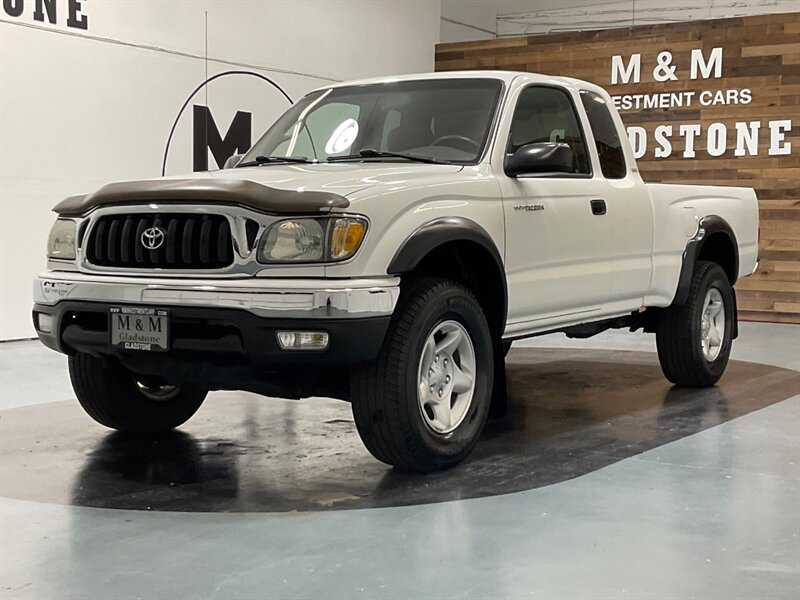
x,y
572,412
630,489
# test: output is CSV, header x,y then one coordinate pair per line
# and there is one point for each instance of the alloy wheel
x,y
446,377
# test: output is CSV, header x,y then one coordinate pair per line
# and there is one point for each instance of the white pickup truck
x,y
384,242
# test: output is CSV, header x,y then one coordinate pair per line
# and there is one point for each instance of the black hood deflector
x,y
234,192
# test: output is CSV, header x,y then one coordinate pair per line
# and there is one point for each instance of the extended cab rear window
x,y
606,136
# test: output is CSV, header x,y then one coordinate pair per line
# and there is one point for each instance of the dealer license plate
x,y
139,328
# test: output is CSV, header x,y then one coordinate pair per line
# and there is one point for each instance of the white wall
x,y
80,108
484,19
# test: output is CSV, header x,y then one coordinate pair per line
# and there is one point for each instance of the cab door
x,y
628,208
559,243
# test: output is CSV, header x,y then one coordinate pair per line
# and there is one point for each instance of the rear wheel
x,y
694,340
423,404
116,398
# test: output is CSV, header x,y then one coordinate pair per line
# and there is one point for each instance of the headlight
x,y
61,242
326,239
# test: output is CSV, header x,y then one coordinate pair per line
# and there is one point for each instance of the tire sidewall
x,y
108,393
452,304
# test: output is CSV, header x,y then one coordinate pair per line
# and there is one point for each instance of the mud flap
x,y
499,406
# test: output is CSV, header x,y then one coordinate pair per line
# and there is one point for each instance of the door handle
x,y
598,206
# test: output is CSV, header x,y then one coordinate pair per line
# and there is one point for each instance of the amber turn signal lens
x,y
346,237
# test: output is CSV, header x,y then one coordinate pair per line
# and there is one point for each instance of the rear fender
x,y
707,226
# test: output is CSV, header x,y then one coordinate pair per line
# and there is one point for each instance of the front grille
x,y
160,241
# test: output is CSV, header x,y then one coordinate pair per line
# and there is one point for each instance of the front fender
x,y
440,231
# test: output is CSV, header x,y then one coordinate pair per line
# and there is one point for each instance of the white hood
x,y
339,178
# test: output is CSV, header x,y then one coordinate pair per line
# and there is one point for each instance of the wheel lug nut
x,y
440,392
447,379
436,359
433,387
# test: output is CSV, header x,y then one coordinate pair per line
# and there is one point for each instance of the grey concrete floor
x,y
712,515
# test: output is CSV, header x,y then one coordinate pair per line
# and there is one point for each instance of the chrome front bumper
x,y
264,297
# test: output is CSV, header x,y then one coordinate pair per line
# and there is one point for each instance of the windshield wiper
x,y
370,153
266,160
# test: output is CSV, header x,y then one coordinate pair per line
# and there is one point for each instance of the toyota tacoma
x,y
384,242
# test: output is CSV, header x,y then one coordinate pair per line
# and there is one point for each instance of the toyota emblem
x,y
152,238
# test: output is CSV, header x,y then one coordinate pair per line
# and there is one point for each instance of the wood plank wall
x,y
761,53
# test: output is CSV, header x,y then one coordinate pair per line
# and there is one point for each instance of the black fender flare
x,y
706,227
438,232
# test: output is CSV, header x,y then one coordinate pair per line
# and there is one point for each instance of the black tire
x,y
506,347
679,331
109,393
384,395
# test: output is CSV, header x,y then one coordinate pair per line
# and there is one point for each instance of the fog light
x,y
303,340
44,323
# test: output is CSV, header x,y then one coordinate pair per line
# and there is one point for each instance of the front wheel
x,y
423,404
694,340
116,398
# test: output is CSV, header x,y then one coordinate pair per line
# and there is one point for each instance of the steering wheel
x,y
458,138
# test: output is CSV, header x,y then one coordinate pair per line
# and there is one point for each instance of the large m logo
x,y
207,135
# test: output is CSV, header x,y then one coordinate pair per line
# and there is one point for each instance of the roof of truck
x,y
505,76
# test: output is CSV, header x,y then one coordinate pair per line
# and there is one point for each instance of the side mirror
x,y
541,157
232,161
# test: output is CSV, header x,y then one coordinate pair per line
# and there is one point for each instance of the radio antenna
x,y
207,112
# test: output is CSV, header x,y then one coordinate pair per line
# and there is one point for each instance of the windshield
x,y
447,120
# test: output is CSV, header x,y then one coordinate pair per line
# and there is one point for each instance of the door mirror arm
x,y
233,161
